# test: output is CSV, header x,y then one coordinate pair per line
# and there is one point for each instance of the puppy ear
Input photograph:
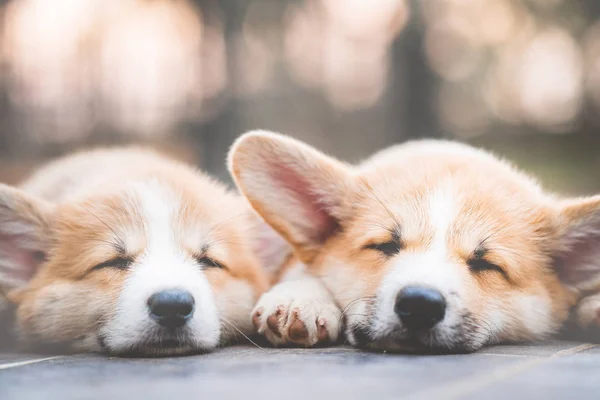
x,y
269,246
299,191
578,253
23,234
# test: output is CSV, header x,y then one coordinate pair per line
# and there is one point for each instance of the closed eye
x,y
207,262
479,265
121,263
388,248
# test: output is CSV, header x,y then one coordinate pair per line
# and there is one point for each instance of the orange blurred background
x,y
521,77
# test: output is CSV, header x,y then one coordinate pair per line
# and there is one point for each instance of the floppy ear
x,y
578,253
299,191
23,233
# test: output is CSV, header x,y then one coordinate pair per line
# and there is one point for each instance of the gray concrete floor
x,y
551,370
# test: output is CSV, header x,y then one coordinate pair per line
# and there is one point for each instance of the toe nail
x,y
322,333
256,320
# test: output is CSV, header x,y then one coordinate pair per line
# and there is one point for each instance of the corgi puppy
x,y
426,246
128,252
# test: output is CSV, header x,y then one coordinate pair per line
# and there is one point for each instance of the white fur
x,y
163,265
235,302
495,315
442,211
535,314
350,291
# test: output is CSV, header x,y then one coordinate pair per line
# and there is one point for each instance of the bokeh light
x,y
81,72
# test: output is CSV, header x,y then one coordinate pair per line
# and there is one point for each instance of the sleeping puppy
x,y
131,253
426,246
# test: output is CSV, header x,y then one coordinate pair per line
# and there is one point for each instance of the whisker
x,y
241,333
346,309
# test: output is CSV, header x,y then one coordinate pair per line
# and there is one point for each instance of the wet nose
x,y
171,308
420,307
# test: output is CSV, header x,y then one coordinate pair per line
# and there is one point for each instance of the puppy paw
x,y
299,312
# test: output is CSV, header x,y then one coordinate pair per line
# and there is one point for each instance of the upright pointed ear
x,y
578,253
299,191
23,236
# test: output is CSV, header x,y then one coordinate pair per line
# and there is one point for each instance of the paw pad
x,y
273,323
297,331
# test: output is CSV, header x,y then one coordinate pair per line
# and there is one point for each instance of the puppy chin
x,y
159,347
159,343
144,351
399,341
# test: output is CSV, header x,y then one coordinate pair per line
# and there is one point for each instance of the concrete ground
x,y
551,370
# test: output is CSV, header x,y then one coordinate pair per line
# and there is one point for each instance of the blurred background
x,y
520,77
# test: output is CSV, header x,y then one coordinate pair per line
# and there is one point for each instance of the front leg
x,y
298,310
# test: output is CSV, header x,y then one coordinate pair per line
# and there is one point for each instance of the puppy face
x,y
427,246
158,266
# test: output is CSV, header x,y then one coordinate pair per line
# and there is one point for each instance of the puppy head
x,y
159,266
427,246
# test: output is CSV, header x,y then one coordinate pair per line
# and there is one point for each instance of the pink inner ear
x,y
17,264
313,206
581,262
270,247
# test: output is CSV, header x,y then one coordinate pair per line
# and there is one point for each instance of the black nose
x,y
171,308
420,307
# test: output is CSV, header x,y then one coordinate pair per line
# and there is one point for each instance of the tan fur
x,y
524,230
90,207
